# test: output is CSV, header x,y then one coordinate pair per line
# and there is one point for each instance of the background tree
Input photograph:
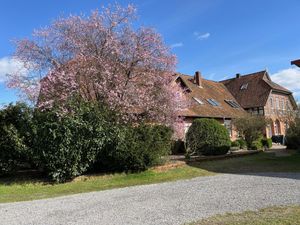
x,y
250,127
100,58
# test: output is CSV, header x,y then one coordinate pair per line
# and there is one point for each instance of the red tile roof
x,y
210,90
259,86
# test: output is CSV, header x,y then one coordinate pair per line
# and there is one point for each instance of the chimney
x,y
238,75
198,78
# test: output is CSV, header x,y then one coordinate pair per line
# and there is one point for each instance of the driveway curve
x,y
160,204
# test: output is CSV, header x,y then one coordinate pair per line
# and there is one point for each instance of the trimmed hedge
x,y
208,137
136,148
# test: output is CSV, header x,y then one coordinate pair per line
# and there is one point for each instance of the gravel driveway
x,y
159,204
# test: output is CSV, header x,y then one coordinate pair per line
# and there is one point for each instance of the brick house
x,y
258,94
209,99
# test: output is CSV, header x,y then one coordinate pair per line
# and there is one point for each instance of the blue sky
x,y
218,37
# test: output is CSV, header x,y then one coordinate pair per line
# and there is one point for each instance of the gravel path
x,y
160,204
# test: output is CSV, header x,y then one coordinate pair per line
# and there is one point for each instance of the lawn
x,y
27,188
269,216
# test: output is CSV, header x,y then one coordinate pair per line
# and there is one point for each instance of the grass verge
x,y
25,188
12,190
287,215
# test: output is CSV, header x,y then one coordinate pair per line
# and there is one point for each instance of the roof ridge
x,y
246,75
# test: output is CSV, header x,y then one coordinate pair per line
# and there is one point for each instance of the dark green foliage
x,y
136,148
250,127
242,142
67,145
235,144
178,147
293,135
267,142
16,130
208,137
257,144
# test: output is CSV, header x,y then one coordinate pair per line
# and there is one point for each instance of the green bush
x,y
16,132
267,142
235,144
208,137
67,145
293,135
242,143
257,145
136,148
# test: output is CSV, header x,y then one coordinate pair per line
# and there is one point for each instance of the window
x,y
213,102
282,104
271,103
287,105
198,100
232,103
244,86
227,124
277,103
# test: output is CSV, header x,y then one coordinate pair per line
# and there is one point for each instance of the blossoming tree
x,y
101,58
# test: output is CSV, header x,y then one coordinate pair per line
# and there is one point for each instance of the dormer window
x,y
198,100
232,103
244,86
213,102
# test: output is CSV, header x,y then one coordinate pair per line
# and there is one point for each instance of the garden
x,y
105,111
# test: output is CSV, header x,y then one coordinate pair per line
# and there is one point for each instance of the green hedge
x,y
208,137
16,131
136,148
88,137
66,146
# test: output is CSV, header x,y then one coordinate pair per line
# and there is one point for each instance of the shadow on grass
x,y
261,164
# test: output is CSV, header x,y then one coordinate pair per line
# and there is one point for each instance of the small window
x,y
232,103
277,103
244,86
213,102
198,100
271,102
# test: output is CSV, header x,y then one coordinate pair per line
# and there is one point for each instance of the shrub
x,y
242,143
235,144
136,148
208,137
257,144
293,135
251,127
267,142
16,131
67,145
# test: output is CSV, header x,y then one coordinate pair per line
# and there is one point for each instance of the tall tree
x,y
101,58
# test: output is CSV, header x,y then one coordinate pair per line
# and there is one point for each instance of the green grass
x,y
17,189
26,188
262,162
289,215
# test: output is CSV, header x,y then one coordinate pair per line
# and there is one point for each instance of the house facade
x,y
259,95
209,99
